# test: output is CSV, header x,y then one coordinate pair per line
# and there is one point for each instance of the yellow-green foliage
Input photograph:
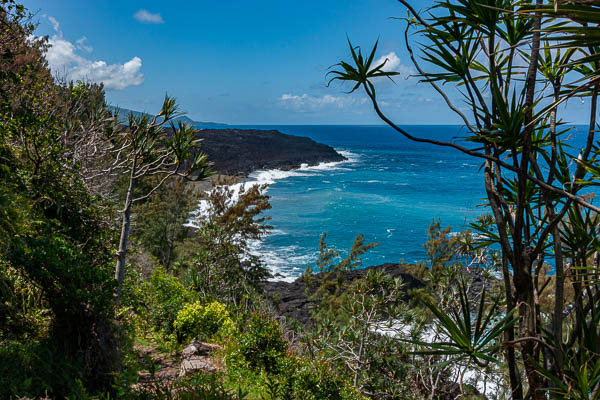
x,y
22,311
207,322
293,377
169,296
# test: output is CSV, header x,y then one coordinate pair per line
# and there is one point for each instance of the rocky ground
x,y
168,367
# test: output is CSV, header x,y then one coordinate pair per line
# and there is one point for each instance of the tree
x,y
354,336
222,266
160,222
493,52
329,283
441,248
145,148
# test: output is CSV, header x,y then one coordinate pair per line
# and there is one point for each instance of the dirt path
x,y
156,364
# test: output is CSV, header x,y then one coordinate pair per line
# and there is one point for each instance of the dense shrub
x,y
304,379
257,359
22,312
34,369
168,297
137,295
259,346
203,321
194,387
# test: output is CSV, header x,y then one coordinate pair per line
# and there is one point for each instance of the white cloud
x,y
393,64
306,102
147,17
54,23
82,46
65,62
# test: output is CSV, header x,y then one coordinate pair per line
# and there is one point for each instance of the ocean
x,y
390,190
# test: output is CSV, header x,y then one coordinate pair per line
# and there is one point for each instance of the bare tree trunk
x,y
361,351
125,225
559,295
527,324
516,386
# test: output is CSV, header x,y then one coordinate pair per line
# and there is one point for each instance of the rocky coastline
x,y
240,152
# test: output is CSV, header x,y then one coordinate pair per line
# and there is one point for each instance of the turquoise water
x,y
390,190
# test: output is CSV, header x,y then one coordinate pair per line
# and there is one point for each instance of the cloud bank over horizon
x,y
308,103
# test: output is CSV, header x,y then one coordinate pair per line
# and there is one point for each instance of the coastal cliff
x,y
242,151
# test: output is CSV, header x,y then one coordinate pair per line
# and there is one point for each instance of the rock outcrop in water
x,y
242,151
291,301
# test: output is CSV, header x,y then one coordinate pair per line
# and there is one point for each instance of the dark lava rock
x,y
290,297
242,151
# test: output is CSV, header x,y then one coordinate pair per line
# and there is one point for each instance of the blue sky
x,y
237,62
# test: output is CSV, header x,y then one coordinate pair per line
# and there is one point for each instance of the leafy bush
x,y
260,345
22,312
304,379
196,386
168,297
137,294
220,268
38,369
202,321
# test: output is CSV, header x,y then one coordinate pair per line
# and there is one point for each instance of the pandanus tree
x,y
508,62
146,147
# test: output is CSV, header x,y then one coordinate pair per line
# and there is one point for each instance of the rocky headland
x,y
242,151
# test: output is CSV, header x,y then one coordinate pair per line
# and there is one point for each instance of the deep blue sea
x,y
390,190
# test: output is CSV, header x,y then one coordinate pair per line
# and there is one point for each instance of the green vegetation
x,y
204,322
78,188
167,297
144,148
56,244
160,222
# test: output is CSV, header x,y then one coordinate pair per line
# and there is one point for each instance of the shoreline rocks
x,y
290,299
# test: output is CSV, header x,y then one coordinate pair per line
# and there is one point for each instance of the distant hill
x,y
124,112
